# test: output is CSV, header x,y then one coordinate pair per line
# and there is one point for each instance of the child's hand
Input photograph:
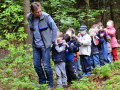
x,y
97,37
106,30
80,43
66,44
93,35
72,43
101,35
79,34
56,42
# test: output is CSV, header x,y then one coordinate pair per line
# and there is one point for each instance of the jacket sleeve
x,y
87,41
53,27
60,49
101,39
28,16
111,32
71,48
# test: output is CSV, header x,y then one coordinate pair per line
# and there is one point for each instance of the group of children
x,y
95,49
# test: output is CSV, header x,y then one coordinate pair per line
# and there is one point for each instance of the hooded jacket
x,y
85,48
59,52
112,32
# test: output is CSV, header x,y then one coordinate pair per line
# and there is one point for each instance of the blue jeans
x,y
105,52
85,62
77,65
110,58
44,55
94,60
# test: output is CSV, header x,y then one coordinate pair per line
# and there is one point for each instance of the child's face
x,y
59,39
96,28
82,32
109,24
101,28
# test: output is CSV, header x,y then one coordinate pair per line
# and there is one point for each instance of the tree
x,y
104,16
26,5
87,12
112,10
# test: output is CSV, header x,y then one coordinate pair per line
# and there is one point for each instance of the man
x,y
42,37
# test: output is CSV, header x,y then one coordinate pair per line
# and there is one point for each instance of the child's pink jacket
x,y
111,31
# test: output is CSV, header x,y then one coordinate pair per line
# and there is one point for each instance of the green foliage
x,y
3,43
60,88
105,71
11,18
83,84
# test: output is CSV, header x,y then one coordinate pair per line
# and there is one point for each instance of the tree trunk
x,y
104,16
111,9
26,5
87,12
98,3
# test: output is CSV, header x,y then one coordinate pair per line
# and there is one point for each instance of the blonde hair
x,y
59,34
92,31
111,21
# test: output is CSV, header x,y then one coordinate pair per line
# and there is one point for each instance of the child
x,y
114,44
94,57
95,26
109,47
84,50
59,58
102,46
72,47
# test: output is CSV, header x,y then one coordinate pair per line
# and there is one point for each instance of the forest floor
x,y
107,79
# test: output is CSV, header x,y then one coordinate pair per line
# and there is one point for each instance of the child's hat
x,y
83,27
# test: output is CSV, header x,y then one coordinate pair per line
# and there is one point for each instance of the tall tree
x,y
111,9
87,12
104,16
26,5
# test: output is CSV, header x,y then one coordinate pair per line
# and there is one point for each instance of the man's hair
x,y
59,34
35,5
72,30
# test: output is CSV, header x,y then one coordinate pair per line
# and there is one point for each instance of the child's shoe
x,y
84,74
88,73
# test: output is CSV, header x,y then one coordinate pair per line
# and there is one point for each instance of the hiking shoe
x,y
89,73
65,86
84,74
